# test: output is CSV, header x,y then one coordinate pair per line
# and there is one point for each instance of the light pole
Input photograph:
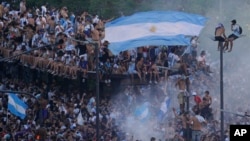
x,y
97,88
188,105
221,92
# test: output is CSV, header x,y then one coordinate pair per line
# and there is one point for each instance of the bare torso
x,y
220,31
181,84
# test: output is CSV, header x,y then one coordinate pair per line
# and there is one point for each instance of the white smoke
x,y
151,127
236,64
236,69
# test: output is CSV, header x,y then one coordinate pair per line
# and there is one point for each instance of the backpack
x,y
240,30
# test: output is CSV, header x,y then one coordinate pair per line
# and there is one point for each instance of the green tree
x,y
114,8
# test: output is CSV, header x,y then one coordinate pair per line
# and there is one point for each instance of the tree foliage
x,y
114,8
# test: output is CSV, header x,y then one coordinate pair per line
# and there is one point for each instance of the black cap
x,y
233,21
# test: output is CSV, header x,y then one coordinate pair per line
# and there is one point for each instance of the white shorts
x,y
132,71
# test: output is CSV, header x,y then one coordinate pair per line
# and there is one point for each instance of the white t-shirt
x,y
236,30
44,10
201,59
85,56
173,58
70,47
66,58
23,20
96,19
50,94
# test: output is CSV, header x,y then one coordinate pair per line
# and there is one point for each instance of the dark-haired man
x,y
152,139
197,122
236,34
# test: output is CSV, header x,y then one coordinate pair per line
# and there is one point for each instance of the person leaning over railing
x,y
45,28
74,69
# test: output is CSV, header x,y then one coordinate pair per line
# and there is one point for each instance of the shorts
x,y
132,71
165,63
219,38
233,36
181,98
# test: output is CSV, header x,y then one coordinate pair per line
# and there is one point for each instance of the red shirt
x,y
197,99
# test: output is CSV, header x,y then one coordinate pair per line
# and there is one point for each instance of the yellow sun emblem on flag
x,y
152,29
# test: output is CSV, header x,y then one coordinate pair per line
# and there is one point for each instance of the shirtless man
x,y
153,71
220,35
185,120
208,98
197,121
181,84
139,69
51,25
95,34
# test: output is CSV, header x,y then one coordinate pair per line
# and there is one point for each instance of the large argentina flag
x,y
152,28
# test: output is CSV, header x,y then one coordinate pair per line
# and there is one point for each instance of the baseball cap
x,y
194,93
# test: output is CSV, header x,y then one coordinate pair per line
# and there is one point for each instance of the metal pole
x,y
221,92
97,89
221,78
188,93
187,102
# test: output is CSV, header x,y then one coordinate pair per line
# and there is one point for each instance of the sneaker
x,y
106,81
109,81
150,82
83,80
156,82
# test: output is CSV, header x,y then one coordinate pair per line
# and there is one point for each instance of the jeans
x,y
196,135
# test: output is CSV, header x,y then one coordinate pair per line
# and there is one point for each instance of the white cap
x,y
194,93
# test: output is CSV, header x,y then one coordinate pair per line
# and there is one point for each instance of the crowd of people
x,y
63,44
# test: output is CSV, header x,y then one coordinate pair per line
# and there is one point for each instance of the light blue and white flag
x,y
164,108
152,28
80,119
16,106
142,112
165,104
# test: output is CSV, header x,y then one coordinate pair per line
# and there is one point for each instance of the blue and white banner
x,y
164,108
142,112
80,119
165,104
16,106
152,28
